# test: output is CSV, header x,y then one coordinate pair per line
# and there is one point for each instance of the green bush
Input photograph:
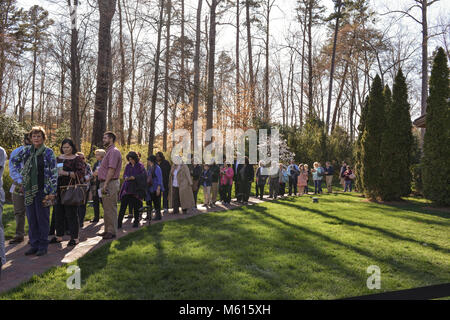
x,y
11,133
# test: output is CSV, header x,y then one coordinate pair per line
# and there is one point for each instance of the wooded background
x,y
143,68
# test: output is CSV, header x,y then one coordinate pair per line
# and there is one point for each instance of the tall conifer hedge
x,y
397,142
371,169
436,160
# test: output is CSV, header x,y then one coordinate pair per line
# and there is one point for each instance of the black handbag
x,y
74,194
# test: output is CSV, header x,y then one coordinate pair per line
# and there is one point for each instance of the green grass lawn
x,y
287,249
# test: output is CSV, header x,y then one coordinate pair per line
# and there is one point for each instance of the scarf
x,y
30,174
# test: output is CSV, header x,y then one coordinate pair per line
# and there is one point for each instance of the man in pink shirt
x,y
108,175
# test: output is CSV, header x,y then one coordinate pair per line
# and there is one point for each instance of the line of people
x,y
40,180
40,177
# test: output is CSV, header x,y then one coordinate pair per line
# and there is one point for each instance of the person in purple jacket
x,y
132,193
155,186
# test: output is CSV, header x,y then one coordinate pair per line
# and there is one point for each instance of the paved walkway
x,y
20,268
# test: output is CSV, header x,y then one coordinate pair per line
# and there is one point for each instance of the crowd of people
x,y
42,181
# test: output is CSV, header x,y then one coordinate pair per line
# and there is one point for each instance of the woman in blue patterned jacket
x,y
40,177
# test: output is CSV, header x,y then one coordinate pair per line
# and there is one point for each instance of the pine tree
x,y
361,128
371,170
397,142
436,160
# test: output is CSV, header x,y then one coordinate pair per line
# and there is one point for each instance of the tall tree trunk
x,y
424,57
250,58
333,59
424,96
166,75
211,64
182,67
196,70
310,66
151,140
41,94
302,76
291,92
107,9
75,124
341,90
131,23
288,89
33,82
266,74
19,101
283,107
122,78
207,51
110,100
238,78
294,115
133,84
61,92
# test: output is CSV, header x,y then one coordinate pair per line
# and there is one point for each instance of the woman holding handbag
x,y
130,193
71,171
348,178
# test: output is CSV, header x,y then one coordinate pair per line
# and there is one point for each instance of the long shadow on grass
x,y
157,275
409,206
406,205
405,268
362,225
312,248
405,215
263,263
172,276
400,208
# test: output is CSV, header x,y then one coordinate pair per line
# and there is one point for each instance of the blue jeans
x,y
317,186
348,185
